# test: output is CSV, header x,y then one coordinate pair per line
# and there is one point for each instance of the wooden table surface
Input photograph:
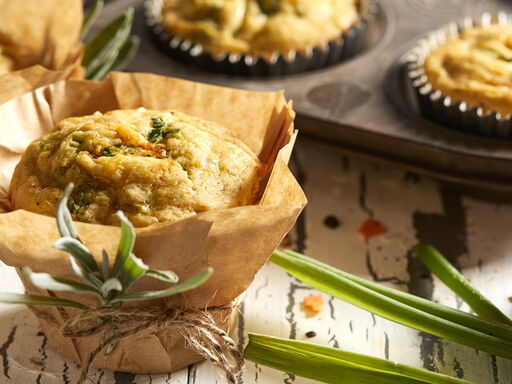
x,y
342,192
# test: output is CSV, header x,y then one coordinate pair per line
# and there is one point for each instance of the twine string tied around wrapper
x,y
197,327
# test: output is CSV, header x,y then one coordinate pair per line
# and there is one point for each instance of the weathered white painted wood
x,y
487,264
351,190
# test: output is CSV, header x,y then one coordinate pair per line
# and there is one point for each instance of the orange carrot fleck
x,y
314,303
370,228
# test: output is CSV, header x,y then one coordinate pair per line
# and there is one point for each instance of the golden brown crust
x,y
475,67
259,27
153,165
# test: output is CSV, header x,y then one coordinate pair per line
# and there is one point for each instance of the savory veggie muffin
x,y
153,165
260,27
475,67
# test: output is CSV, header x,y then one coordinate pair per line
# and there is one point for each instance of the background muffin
x,y
475,67
153,165
259,27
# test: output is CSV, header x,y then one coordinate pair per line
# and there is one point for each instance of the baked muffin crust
x,y
260,27
475,67
154,165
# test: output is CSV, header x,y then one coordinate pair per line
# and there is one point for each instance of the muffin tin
x,y
347,45
442,109
364,106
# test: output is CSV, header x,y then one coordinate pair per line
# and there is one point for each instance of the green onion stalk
x,y
483,334
332,365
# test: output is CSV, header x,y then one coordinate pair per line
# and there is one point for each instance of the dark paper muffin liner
x,y
333,52
434,105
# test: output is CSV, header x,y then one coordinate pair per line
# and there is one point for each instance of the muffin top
x,y
260,27
155,166
475,67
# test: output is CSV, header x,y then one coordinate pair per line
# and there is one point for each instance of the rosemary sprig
x,y
111,285
126,54
90,17
402,308
332,365
112,48
19,298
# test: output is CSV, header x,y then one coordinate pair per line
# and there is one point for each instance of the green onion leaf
x,y
17,298
448,274
328,280
191,283
52,283
454,315
90,17
332,365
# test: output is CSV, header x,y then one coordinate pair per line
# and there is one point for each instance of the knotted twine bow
x,y
198,328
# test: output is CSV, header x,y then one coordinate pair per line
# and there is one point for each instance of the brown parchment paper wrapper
x,y
17,83
43,33
236,242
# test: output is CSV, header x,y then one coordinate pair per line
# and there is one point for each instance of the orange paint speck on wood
x,y
370,228
314,303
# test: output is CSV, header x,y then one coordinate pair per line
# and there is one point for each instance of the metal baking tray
x,y
362,106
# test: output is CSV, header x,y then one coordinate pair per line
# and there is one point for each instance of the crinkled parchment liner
x,y
235,242
346,45
43,33
434,105
26,80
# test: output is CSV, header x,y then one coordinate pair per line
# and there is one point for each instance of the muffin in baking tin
x,y
260,37
258,27
155,166
462,76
